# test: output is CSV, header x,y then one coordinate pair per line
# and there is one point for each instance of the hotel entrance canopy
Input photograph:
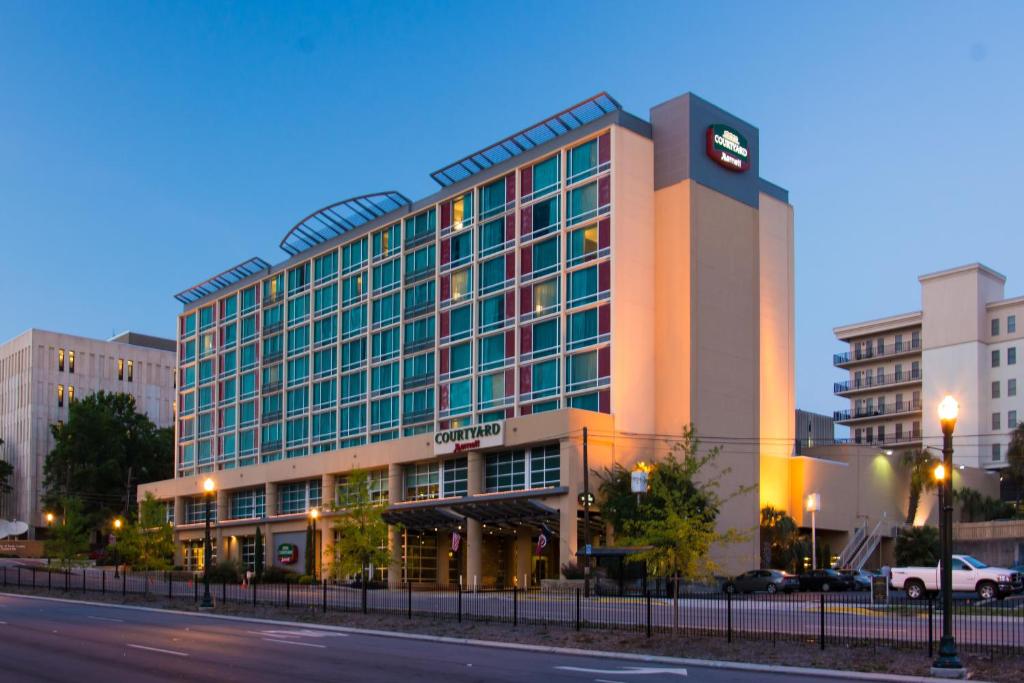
x,y
513,508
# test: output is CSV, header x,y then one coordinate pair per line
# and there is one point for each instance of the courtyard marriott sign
x,y
486,435
727,148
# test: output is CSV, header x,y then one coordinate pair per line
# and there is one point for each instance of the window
x,y
460,397
997,452
298,497
461,248
995,358
996,421
546,339
387,242
1011,324
71,392
60,360
248,328
325,331
325,299
492,236
325,362
420,262
460,322
248,504
582,161
492,198
1011,387
546,176
545,297
582,328
71,362
384,379
418,406
353,354
1011,419
386,276
462,211
419,333
353,256
545,466
546,216
545,257
995,327
995,389
1011,355
505,471
195,510
60,395
120,369
492,313
298,340
545,378
353,322
419,368
385,345
298,278
419,298
492,351
325,267
421,481
492,274
583,286
377,484
297,431
298,309
491,391
581,371
384,413
352,290
420,227
455,477
325,394
353,387
386,310
582,203
583,244
462,283
273,288
248,299
272,318
298,401
353,420
298,370
461,359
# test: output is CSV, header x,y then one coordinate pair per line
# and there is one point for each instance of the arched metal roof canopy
x,y
339,218
550,128
222,280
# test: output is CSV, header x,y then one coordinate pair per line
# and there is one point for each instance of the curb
x,y
524,647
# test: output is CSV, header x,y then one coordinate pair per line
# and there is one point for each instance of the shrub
x,y
918,547
277,575
230,571
306,580
572,570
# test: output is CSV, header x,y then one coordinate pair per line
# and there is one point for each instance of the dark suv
x,y
769,580
825,580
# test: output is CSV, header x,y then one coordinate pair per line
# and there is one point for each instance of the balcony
x,y
413,381
873,382
875,413
866,354
416,239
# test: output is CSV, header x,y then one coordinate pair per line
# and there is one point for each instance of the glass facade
x,y
488,304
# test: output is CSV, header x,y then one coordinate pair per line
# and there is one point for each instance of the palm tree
x,y
778,534
920,463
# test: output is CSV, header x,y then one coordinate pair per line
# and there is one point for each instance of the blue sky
x,y
146,146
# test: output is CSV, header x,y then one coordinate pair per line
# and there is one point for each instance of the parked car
x,y
969,574
861,578
825,580
770,580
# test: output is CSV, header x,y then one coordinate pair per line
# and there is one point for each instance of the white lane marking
x,y
298,633
120,621
157,649
605,680
628,671
293,642
3,623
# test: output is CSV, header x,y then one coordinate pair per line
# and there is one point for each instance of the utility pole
x,y
127,493
586,518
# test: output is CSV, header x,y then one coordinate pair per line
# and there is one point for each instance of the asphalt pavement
x,y
44,640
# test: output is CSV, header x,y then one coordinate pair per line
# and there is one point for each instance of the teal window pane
x,y
545,377
545,256
273,316
585,402
492,312
583,328
417,367
492,236
298,401
248,299
228,390
545,214
385,344
298,370
387,241
230,334
325,394
492,274
325,330
492,198
545,337
386,310
461,358
353,387
582,161
297,431
583,243
460,396
298,277
298,339
325,267
461,321
353,321
492,351
583,286
545,175
384,378
325,299
325,362
190,325
353,255
189,378
205,317
247,384
248,327
583,202
353,354
205,371
462,246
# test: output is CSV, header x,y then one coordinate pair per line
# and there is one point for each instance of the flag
x,y
542,541
456,541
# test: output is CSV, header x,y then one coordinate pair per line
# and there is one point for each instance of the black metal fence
x,y
986,627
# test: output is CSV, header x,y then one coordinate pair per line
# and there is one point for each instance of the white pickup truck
x,y
969,575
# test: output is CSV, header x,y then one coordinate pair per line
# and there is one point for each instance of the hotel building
x,y
593,271
42,372
964,341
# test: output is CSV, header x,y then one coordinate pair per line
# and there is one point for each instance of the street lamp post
x,y
49,525
313,514
948,663
813,505
207,602
113,539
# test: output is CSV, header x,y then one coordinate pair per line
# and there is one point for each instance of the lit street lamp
x,y
813,505
948,664
207,602
113,543
313,514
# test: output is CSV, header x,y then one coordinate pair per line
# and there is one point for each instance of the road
x,y
43,640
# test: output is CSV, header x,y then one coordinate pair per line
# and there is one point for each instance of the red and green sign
x,y
728,148
287,553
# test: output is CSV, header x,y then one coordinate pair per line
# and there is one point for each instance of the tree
x,y
780,540
149,542
257,562
918,547
1015,459
70,536
104,450
975,507
675,520
6,472
310,567
921,465
361,534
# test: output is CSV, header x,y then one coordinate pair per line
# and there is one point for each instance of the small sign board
x,y
486,435
879,590
588,550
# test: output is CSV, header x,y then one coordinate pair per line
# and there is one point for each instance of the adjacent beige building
x,y
42,372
